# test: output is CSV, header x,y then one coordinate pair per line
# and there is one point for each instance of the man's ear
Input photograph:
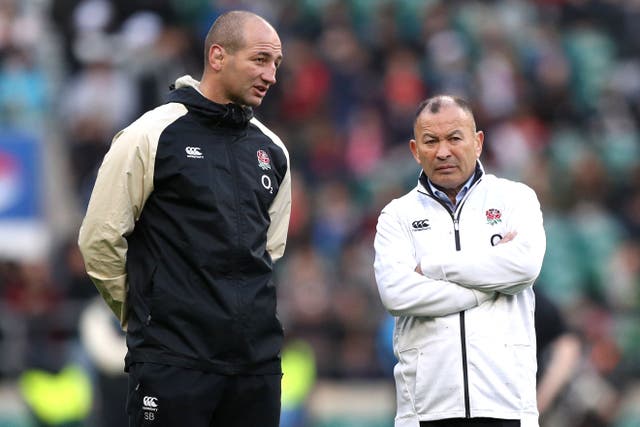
x,y
413,146
216,57
479,142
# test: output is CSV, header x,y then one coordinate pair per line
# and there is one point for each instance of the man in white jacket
x,y
455,262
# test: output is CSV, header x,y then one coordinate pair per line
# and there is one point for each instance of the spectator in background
x,y
188,214
465,336
104,342
332,111
558,352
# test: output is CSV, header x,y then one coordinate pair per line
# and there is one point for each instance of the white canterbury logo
x,y
194,153
150,403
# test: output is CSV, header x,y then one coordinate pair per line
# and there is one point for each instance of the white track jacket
x,y
464,334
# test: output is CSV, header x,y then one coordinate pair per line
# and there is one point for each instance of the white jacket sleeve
x,y
403,291
123,184
507,268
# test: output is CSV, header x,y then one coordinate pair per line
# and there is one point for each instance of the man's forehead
x,y
445,126
267,46
264,44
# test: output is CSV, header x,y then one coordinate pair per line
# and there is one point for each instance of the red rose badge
x,y
493,216
263,160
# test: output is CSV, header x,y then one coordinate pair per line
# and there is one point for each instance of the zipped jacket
x,y
464,335
189,211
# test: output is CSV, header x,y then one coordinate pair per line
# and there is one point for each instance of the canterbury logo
x,y
421,224
194,152
150,402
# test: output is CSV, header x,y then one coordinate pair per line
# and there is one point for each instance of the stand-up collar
x,y
187,91
477,174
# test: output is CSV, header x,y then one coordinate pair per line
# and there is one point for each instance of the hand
x,y
507,237
418,269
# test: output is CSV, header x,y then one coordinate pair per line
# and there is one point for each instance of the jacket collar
x,y
186,90
477,174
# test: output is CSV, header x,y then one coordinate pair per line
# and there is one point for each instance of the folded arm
x,y
507,268
403,291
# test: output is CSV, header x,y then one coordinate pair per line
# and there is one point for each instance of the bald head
x,y
242,53
228,31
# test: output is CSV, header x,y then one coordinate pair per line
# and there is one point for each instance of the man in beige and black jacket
x,y
189,212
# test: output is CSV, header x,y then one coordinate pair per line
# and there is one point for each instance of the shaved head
x,y
228,31
242,53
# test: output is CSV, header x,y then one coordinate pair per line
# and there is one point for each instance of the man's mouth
x,y
262,90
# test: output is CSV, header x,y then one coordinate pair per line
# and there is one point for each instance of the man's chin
x,y
253,102
248,101
445,183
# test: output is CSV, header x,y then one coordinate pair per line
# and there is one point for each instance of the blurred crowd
x,y
555,85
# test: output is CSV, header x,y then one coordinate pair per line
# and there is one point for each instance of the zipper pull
x,y
456,228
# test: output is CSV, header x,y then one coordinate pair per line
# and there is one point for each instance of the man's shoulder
x,y
515,188
502,181
262,128
266,131
404,201
165,113
153,122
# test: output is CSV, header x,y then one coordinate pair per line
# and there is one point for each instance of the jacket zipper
x,y
463,333
455,216
234,175
233,256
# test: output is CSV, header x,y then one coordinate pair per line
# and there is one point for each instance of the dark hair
x,y
434,104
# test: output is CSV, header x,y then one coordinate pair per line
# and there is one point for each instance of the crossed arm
x,y
447,283
405,292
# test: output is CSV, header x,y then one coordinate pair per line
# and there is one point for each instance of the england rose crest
x,y
263,160
493,216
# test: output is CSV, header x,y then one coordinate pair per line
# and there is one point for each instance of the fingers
x,y
508,237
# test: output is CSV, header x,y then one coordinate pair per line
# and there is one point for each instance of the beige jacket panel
x,y
280,209
123,185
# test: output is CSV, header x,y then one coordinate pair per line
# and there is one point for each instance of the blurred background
x,y
555,85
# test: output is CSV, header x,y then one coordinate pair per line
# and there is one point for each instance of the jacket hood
x,y
186,90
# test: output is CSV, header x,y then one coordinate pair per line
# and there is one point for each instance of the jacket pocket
x,y
141,274
525,361
405,376
148,293
496,375
433,379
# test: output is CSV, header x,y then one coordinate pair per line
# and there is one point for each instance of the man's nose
x,y
443,151
269,75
